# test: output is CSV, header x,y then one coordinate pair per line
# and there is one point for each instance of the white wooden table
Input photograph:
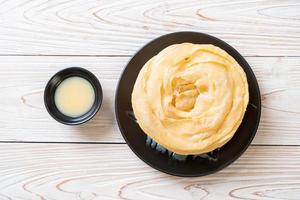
x,y
42,159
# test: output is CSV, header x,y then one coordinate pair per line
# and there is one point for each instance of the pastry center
x,y
185,95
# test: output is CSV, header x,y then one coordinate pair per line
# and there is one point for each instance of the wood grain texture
x,y
24,118
101,35
99,171
64,27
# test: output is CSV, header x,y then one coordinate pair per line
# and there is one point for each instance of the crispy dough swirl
x,y
190,98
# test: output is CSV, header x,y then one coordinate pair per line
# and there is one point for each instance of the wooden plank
x,y
23,115
24,118
254,27
99,171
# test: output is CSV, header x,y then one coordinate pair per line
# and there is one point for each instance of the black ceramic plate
x,y
136,138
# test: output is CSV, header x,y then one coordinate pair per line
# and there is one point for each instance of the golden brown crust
x,y
190,98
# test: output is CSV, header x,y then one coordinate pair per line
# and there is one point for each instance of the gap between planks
x,y
116,55
117,143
